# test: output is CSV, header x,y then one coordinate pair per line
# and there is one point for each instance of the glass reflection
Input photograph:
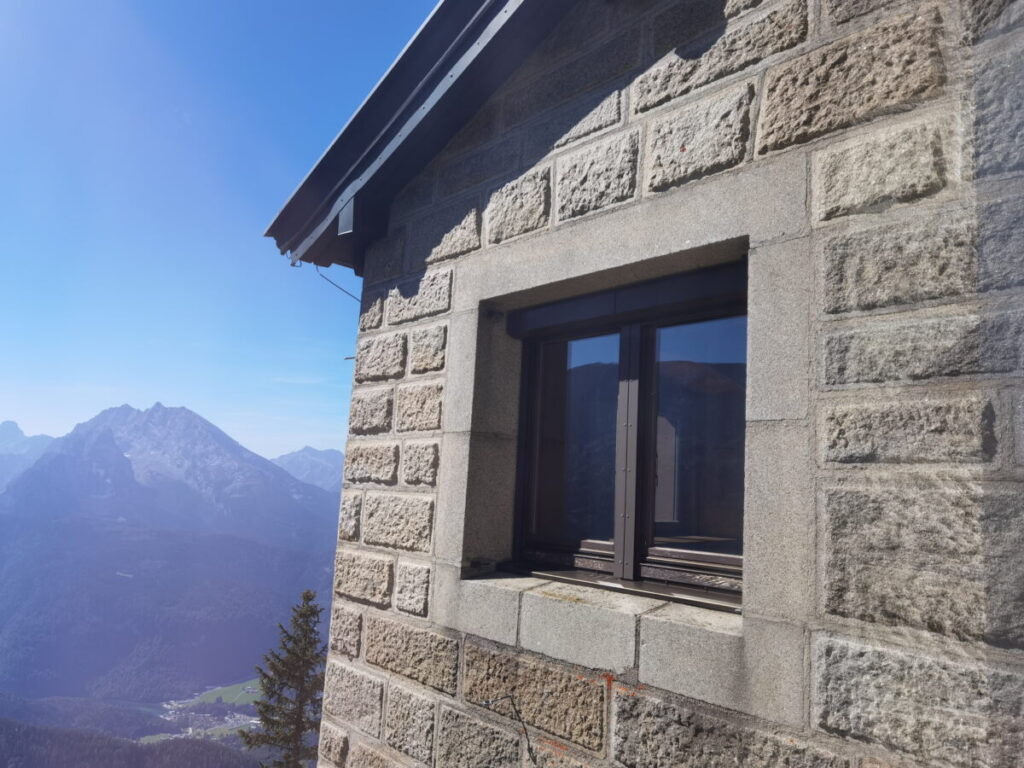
x,y
575,493
700,375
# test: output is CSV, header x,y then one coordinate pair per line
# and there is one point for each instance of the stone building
x,y
688,422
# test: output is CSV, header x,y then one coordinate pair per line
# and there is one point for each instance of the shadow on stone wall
x,y
495,181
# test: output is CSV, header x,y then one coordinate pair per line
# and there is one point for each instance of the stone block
x,y
895,166
844,10
751,665
924,349
419,654
573,122
931,258
370,411
1003,567
574,32
333,744
466,742
486,607
371,463
364,756
892,553
1000,244
364,577
401,522
351,513
478,130
547,757
520,206
346,626
557,699
941,712
427,295
780,287
420,464
693,651
651,732
1019,434
778,530
574,77
683,21
412,588
925,430
982,18
381,357
597,176
444,233
371,313
427,348
556,616
414,196
354,697
736,7
409,723
718,212
999,114
459,239
698,140
470,170
691,67
385,258
884,69
419,407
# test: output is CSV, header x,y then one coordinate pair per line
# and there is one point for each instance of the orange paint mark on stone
x,y
554,745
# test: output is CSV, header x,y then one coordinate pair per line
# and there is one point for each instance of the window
x,y
631,450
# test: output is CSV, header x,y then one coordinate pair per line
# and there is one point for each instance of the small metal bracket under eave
x,y
335,244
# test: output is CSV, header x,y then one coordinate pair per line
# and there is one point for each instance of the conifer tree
x,y
292,690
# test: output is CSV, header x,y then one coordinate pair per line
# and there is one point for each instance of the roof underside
x,y
459,57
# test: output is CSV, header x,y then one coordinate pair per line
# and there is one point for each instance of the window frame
x,y
634,312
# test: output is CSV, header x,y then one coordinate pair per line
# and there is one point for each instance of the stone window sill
x,y
747,664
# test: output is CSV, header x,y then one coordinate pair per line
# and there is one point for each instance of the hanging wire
x,y
325,277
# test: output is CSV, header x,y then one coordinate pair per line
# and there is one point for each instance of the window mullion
x,y
626,453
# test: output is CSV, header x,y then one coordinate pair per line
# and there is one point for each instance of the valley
x,y
148,557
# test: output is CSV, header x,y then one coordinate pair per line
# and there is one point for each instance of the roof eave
x,y
406,120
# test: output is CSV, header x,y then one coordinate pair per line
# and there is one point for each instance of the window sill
x,y
555,617
717,600
747,664
744,664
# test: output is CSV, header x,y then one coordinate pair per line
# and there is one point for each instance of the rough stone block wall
x,y
871,152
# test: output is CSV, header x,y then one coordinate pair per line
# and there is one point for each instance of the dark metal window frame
x,y
635,312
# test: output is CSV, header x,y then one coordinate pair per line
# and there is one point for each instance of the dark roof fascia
x,y
459,57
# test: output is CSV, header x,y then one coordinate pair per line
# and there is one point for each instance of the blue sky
x,y
146,144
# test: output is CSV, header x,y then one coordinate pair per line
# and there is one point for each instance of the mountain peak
x,y
13,440
9,430
170,465
17,451
321,468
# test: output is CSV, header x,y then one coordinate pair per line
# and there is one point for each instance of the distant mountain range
x,y
17,451
147,555
316,467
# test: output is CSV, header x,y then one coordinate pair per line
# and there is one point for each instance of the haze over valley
x,y
145,557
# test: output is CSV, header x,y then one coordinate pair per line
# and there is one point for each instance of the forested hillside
x,y
30,746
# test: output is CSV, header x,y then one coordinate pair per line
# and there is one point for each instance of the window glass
x,y
575,492
699,423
